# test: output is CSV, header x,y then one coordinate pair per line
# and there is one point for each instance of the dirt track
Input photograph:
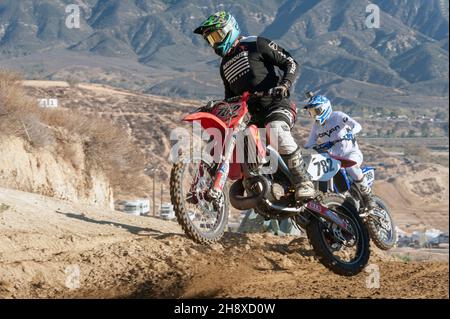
x,y
42,240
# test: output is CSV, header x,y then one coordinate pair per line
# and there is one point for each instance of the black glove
x,y
281,91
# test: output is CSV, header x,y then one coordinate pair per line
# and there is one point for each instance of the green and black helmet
x,y
220,30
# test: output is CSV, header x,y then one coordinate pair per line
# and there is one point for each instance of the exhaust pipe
x,y
241,202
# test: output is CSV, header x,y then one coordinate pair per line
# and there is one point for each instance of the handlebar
x,y
246,96
327,145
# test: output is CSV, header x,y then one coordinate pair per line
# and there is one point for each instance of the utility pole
x,y
154,192
152,171
162,191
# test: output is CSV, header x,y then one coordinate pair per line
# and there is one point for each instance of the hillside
x,y
42,171
417,193
148,45
64,153
54,249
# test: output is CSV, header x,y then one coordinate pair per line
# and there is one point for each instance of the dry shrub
x,y
73,81
19,114
37,132
418,151
13,103
106,146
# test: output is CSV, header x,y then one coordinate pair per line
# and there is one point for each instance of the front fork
x,y
223,168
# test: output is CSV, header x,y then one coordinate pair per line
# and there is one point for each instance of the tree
x,y
441,115
425,129
393,114
379,132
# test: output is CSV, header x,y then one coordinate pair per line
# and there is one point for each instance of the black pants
x,y
283,110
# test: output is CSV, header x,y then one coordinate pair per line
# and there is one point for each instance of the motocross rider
x,y
336,130
248,64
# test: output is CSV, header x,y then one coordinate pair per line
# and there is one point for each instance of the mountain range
x,y
148,46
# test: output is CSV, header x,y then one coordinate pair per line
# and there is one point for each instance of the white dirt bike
x,y
331,177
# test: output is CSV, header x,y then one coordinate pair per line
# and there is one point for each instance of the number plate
x,y
323,167
370,176
226,111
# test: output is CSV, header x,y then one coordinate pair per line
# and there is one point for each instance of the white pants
x,y
355,171
280,137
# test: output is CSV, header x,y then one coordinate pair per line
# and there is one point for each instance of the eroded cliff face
x,y
65,175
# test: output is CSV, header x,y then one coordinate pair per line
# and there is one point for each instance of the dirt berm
x,y
52,248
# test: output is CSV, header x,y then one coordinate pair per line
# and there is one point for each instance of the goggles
x,y
215,37
316,111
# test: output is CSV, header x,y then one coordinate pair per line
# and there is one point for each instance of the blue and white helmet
x,y
319,107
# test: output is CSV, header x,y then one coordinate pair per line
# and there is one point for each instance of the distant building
x,y
134,207
166,212
443,238
430,238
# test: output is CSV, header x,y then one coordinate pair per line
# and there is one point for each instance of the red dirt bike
x,y
201,196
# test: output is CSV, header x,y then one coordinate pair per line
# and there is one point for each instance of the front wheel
x,y
202,220
344,254
381,226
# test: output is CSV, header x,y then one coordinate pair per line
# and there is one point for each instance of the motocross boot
x,y
304,187
366,193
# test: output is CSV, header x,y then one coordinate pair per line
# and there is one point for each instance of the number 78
x,y
324,165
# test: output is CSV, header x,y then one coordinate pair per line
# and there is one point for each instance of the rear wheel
x,y
381,226
344,254
202,220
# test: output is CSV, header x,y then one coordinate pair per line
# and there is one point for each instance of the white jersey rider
x,y
337,130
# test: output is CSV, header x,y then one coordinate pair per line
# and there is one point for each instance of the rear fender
x,y
345,162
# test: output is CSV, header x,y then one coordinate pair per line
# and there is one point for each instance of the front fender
x,y
207,120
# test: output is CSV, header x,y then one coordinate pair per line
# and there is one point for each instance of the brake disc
x,y
205,205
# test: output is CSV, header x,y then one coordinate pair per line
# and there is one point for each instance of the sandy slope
x,y
418,198
42,239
